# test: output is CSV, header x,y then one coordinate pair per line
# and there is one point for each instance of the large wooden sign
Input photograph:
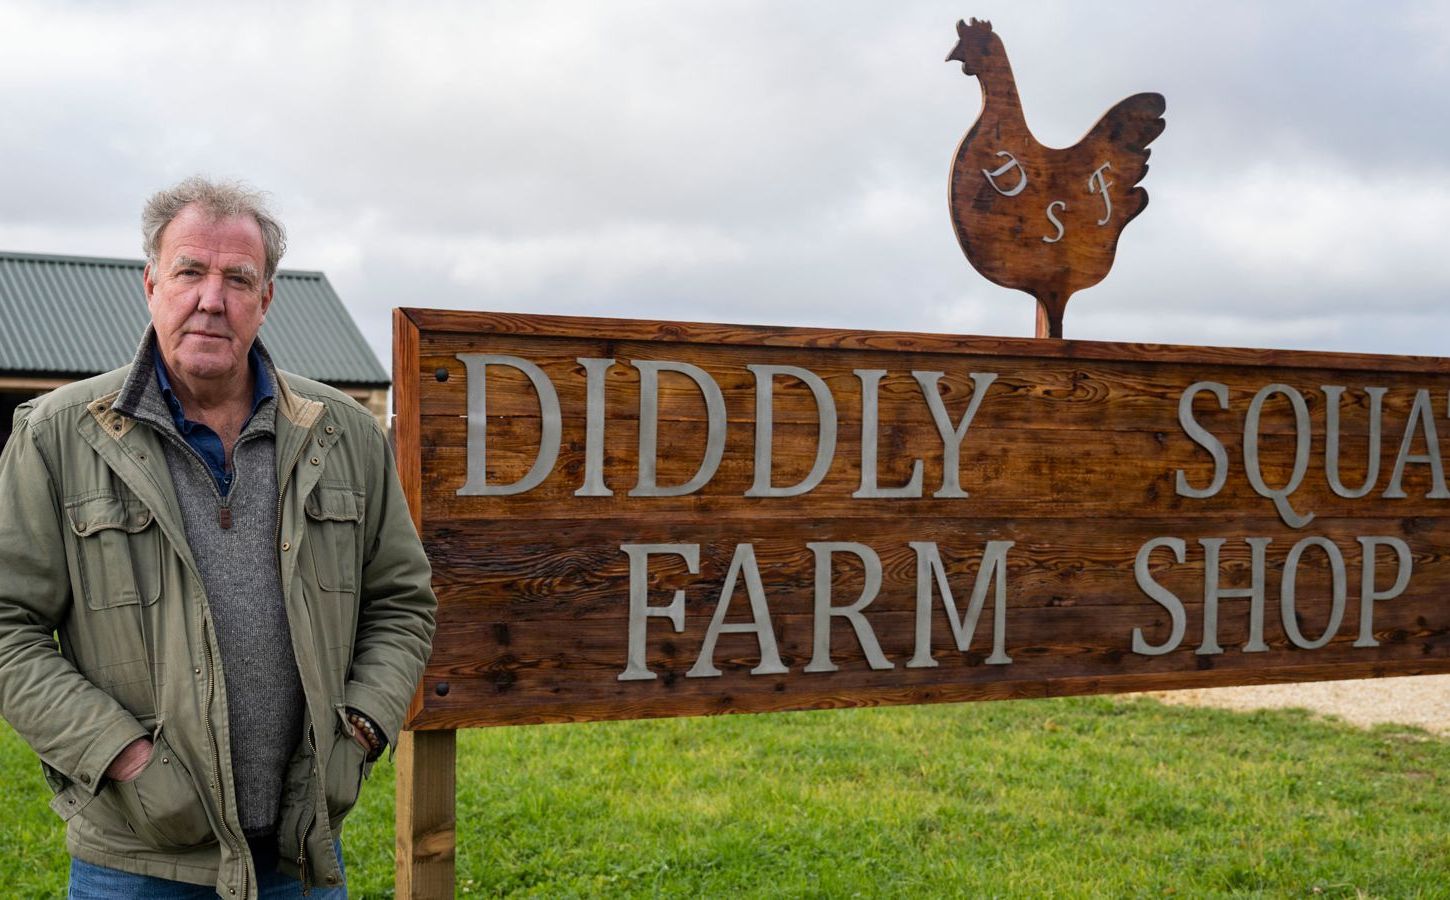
x,y
631,519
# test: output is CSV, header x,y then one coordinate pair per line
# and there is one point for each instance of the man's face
x,y
206,296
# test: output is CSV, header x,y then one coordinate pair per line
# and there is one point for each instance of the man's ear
x,y
267,297
148,284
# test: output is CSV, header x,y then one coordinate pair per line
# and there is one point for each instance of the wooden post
x,y
425,815
1049,319
424,818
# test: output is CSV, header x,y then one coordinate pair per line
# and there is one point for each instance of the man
x,y
241,603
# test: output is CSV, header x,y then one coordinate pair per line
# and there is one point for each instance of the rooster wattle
x,y
1034,218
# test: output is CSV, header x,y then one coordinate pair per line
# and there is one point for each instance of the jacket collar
x,y
136,401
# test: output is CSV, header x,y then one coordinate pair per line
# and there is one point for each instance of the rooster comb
x,y
977,24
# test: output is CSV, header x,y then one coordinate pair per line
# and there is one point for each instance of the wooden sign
x,y
631,519
1039,219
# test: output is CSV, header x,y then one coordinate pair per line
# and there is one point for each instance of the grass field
x,y
1061,798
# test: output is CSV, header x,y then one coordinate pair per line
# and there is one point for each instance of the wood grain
x,y
406,433
407,409
1005,472
444,324
570,570
425,826
719,702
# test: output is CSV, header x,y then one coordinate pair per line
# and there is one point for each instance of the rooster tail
x,y
1148,116
1133,123
1127,129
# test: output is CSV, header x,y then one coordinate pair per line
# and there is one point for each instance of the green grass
x,y
1064,798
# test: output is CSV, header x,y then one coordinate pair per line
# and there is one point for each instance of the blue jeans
x,y
92,882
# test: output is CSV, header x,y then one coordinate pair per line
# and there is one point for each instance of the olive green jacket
x,y
93,551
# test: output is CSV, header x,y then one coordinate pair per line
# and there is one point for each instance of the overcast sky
x,y
757,162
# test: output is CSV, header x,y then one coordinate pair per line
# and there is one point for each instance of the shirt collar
x,y
262,387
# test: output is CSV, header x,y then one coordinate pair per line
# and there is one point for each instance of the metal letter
x,y
1303,437
550,425
1006,167
594,371
760,626
870,385
952,436
1203,438
1212,594
1420,413
821,653
1164,597
1096,184
639,608
649,421
764,430
929,564
1331,441
1053,219
1286,592
1367,594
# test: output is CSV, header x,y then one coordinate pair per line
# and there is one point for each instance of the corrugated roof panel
x,y
83,315
308,322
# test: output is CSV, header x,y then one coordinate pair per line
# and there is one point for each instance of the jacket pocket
x,y
334,520
118,551
347,766
162,804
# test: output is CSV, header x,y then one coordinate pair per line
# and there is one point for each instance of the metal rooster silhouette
x,y
1039,219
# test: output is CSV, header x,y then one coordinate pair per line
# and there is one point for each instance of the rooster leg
x,y
1050,307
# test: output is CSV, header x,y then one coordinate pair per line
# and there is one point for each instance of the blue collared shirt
x,y
207,443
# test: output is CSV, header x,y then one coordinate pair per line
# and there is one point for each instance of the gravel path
x,y
1423,700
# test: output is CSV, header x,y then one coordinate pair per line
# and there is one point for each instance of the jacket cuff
x,y
370,703
90,773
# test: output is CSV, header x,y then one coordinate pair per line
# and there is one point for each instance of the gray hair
x,y
220,200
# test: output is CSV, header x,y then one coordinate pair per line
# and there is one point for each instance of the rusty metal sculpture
x,y
1039,219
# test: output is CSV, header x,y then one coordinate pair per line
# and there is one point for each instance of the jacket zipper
x,y
216,759
307,830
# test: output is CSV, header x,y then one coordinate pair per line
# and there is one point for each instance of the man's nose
x,y
212,297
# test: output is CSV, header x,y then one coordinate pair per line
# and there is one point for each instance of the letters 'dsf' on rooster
x,y
1034,218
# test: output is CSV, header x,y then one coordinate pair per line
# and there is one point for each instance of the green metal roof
x,y
81,315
